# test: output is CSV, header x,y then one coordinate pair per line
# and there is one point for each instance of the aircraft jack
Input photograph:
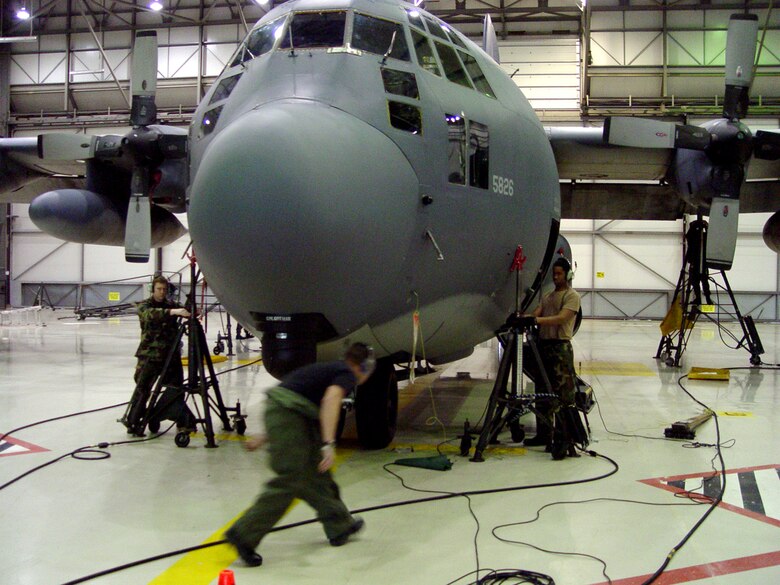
x,y
675,336
508,403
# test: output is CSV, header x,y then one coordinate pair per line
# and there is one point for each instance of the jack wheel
x,y
755,360
154,426
669,362
241,426
182,439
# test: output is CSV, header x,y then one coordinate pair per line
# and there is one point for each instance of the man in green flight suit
x,y
159,317
301,419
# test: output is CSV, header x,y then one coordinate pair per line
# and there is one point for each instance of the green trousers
x,y
292,426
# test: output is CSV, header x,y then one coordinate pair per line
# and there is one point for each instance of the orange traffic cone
x,y
226,577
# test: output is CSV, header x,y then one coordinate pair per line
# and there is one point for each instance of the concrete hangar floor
x,y
83,516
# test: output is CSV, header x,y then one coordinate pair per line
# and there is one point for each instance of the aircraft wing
x,y
23,174
603,181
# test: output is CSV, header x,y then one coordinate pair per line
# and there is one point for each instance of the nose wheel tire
x,y
376,407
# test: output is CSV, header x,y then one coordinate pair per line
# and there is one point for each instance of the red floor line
x,y
705,571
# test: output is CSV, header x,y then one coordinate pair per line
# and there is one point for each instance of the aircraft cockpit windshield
x,y
315,30
382,37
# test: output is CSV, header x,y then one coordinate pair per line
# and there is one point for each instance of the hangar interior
x,y
67,68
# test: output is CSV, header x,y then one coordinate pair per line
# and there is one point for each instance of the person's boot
x,y
542,437
246,552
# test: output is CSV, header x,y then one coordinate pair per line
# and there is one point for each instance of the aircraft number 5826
x,y
503,186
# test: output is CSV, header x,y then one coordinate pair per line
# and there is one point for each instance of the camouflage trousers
x,y
558,360
146,373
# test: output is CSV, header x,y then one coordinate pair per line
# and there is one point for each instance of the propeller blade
x,y
766,145
722,233
644,133
144,79
138,225
740,55
60,146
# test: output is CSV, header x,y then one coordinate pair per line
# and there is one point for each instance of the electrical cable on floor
x,y
715,501
570,553
92,452
447,496
40,422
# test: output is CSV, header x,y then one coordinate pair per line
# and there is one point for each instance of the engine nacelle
x,y
772,232
85,217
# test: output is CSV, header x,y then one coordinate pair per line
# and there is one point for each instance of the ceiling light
x,y
156,5
22,13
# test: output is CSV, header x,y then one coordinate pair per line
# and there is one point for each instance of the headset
x,y
368,363
566,265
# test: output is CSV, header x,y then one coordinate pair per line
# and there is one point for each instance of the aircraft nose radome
x,y
291,208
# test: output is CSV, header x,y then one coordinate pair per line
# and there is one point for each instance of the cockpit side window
x,y
425,56
479,155
312,30
435,28
415,19
400,83
477,76
453,68
453,36
379,36
261,40
456,149
224,88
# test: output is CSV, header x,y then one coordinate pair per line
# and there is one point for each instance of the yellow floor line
x,y
203,566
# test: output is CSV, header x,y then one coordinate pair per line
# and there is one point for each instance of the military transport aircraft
x,y
383,171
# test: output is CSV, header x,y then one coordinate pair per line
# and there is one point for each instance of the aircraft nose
x,y
291,208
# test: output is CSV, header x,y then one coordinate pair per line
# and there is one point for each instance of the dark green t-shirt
x,y
311,381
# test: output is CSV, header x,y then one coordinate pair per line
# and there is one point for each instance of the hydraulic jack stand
x,y
507,403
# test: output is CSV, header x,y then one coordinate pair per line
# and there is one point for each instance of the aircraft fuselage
x,y
353,165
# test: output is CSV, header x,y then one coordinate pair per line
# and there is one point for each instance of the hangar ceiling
x,y
641,56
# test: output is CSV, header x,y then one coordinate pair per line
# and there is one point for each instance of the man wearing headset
x,y
556,316
159,320
301,419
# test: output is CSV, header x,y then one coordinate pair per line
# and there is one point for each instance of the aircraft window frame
x,y
432,66
209,121
319,44
397,82
225,87
476,74
406,117
479,155
456,149
398,47
453,68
